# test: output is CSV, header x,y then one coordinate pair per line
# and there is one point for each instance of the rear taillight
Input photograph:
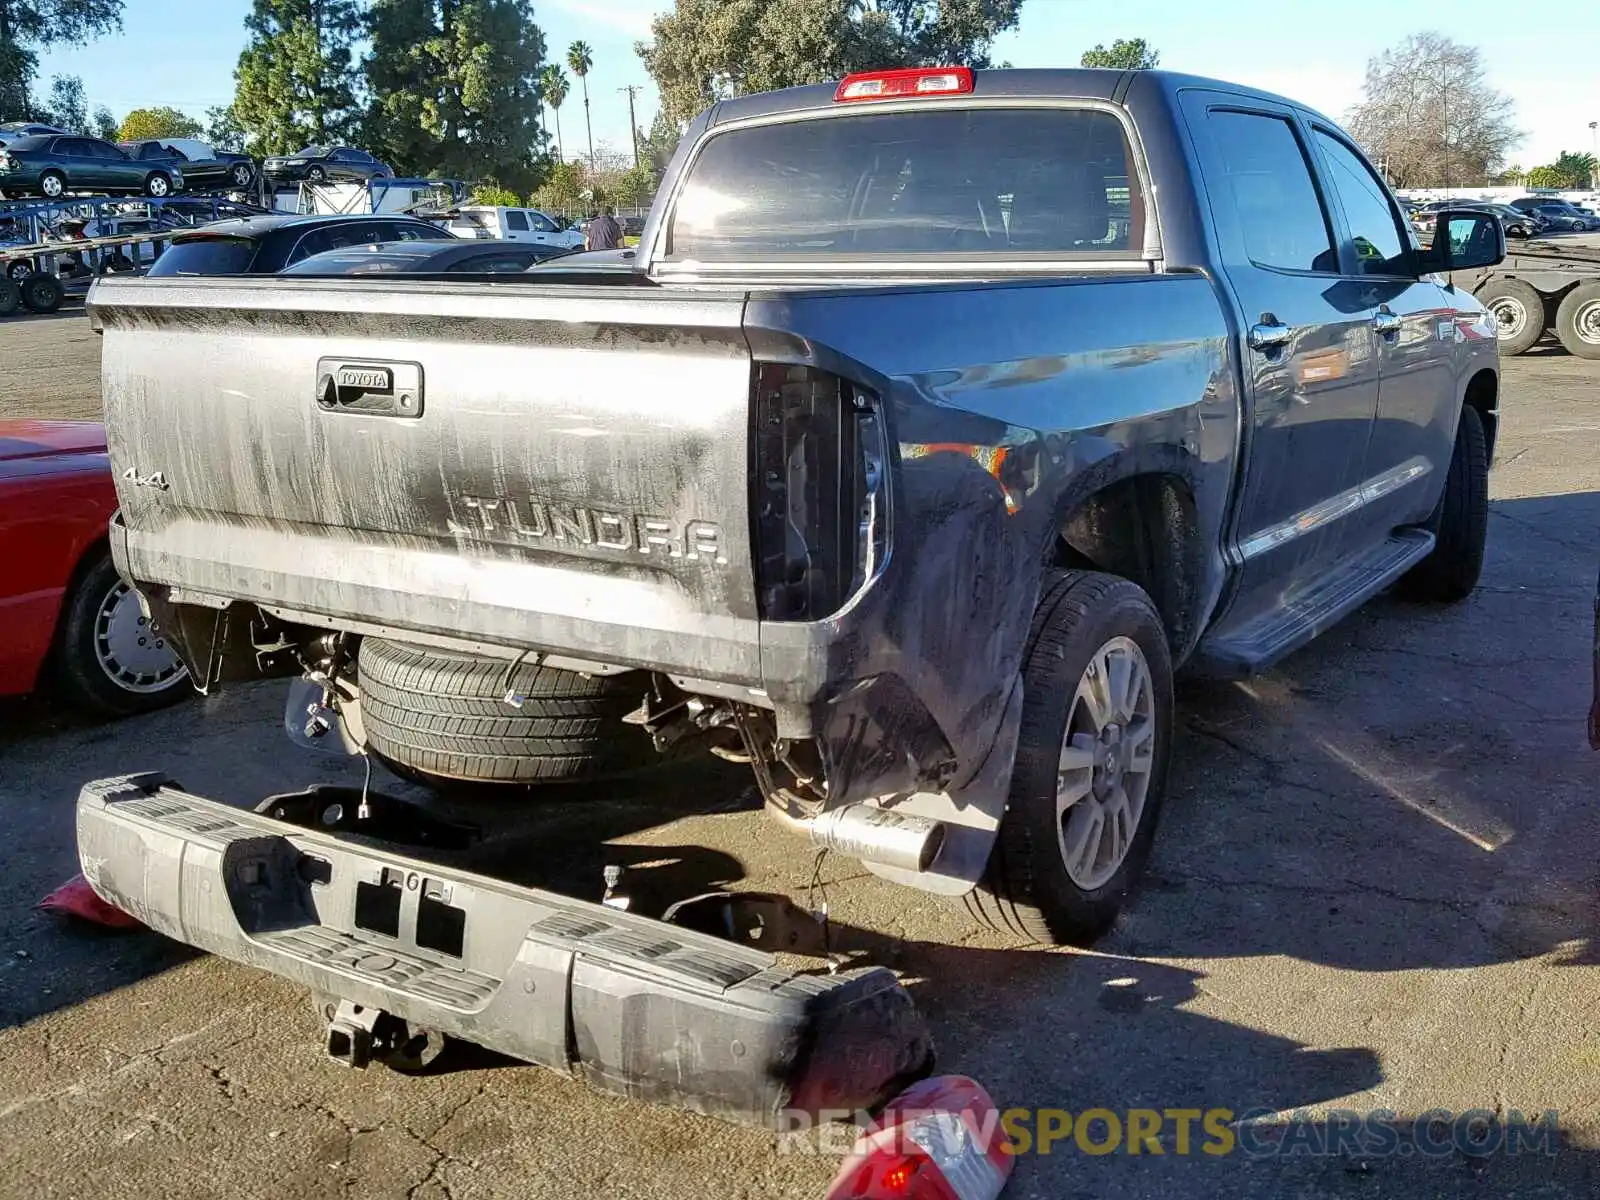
x,y
819,491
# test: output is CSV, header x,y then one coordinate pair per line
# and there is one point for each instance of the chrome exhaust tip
x,y
879,835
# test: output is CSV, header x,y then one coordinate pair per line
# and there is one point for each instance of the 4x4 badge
x,y
156,479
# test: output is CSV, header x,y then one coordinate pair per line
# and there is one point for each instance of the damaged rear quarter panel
x,y
1082,382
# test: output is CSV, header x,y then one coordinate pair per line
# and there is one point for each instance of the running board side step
x,y
633,1005
1249,649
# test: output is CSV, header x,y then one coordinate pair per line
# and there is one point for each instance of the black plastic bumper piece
x,y
631,1004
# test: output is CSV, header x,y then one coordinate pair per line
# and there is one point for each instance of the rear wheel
x,y
42,293
1518,312
53,184
1091,764
10,297
157,185
444,716
1460,523
110,659
1578,321
242,174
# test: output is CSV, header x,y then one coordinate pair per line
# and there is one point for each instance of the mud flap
x,y
629,1003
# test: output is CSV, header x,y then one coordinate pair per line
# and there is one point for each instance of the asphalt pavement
x,y
1374,889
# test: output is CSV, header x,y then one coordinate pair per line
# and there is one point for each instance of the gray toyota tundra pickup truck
x,y
938,418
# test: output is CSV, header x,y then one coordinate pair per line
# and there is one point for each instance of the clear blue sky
x,y
183,53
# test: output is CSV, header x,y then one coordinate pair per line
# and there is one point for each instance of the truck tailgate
x,y
513,463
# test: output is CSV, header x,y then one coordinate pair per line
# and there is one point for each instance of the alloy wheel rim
x,y
131,653
1107,756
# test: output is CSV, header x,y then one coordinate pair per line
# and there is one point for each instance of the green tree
x,y
157,123
1128,54
634,187
1546,177
27,26
497,197
223,129
1576,169
708,49
67,107
296,79
580,58
403,121
455,89
554,86
104,124
656,146
562,188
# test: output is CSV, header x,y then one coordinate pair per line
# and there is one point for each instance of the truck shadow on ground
x,y
1413,789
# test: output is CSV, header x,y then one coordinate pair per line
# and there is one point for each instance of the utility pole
x,y
633,125
1594,144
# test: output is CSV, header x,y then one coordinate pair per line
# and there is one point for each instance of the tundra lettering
x,y
539,521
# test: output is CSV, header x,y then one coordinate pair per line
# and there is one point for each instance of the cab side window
x,y
1380,247
1280,213
515,219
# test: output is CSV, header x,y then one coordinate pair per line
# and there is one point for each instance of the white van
x,y
513,225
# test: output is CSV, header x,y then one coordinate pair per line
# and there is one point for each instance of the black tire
x,y
158,184
1518,311
42,293
1578,321
1027,889
443,716
45,183
19,269
79,672
1460,523
10,297
316,175
241,174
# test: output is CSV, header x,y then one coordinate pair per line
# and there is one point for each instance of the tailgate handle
x,y
369,387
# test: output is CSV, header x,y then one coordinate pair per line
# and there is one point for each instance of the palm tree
x,y
580,58
553,83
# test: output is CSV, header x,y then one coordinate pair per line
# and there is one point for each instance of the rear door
x,y
1309,354
544,230
82,169
112,168
1416,340
514,225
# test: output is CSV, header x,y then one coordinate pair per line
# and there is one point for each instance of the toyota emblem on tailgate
x,y
373,389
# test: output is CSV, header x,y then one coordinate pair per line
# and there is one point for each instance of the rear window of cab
x,y
1013,183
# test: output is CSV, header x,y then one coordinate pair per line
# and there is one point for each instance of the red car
x,y
64,611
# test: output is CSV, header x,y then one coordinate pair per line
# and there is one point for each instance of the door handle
x,y
1269,334
1385,322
